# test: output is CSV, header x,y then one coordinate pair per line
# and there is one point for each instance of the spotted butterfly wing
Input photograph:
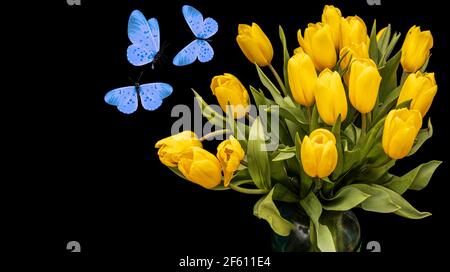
x,y
145,39
150,95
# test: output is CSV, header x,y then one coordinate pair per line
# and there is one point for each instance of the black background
x,y
93,174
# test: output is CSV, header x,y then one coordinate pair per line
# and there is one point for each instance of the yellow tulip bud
x,y
380,33
416,49
302,78
230,92
363,84
200,167
330,97
421,88
254,44
318,44
353,30
230,155
332,17
319,154
171,148
400,130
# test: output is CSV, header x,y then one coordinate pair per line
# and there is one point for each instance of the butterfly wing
x,y
205,51
152,94
209,28
125,99
194,19
187,55
154,30
144,36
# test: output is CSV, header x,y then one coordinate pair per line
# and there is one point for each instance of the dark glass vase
x,y
343,225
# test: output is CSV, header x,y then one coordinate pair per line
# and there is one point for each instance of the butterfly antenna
x,y
139,79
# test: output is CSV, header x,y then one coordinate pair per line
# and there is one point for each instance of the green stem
x,y
278,78
250,118
235,186
214,134
404,76
308,109
363,123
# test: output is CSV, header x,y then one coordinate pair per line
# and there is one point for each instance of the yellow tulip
x,y
254,44
200,167
330,97
416,49
421,88
230,92
302,78
353,30
363,84
354,51
318,44
332,17
318,153
171,148
230,155
400,131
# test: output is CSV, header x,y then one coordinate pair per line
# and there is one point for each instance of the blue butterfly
x,y
126,98
144,36
202,29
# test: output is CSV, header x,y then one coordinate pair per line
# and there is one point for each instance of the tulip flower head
x,y
330,97
302,78
171,148
416,49
201,167
364,84
400,130
254,44
319,153
231,94
230,155
318,44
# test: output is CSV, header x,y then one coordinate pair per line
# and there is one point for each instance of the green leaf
x,y
213,116
291,114
416,179
337,133
384,40
376,174
373,46
422,137
258,160
379,200
389,77
387,53
282,193
314,119
259,98
271,87
425,65
406,210
265,209
352,133
345,199
285,60
313,209
284,156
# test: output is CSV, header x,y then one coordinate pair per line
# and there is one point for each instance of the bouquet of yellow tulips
x,y
342,118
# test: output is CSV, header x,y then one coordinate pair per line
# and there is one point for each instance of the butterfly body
x,y
126,99
200,48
